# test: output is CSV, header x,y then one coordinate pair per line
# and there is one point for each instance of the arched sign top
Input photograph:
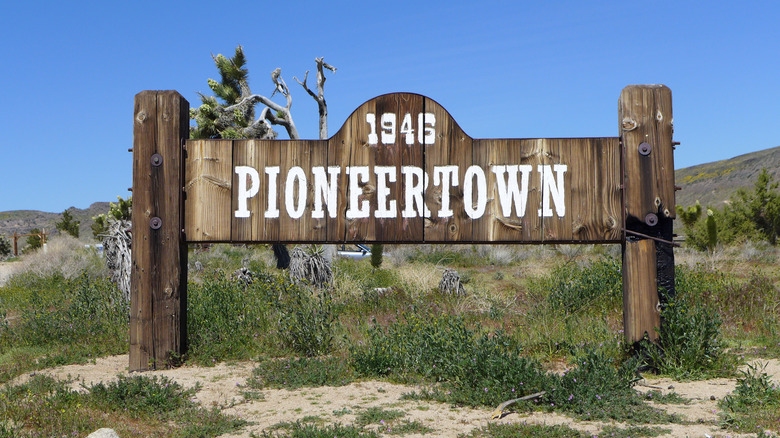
x,y
407,118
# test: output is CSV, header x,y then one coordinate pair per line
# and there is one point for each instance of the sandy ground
x,y
222,386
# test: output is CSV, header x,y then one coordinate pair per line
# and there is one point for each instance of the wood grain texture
x,y
645,115
386,136
641,307
209,183
159,256
450,147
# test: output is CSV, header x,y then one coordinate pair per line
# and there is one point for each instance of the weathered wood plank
x,y
641,315
595,190
209,188
411,155
446,160
296,190
263,224
645,115
159,256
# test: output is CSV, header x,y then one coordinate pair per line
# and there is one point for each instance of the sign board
x,y
401,170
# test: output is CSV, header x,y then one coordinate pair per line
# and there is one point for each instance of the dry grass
x,y
63,255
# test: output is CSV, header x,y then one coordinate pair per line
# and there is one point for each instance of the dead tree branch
x,y
320,96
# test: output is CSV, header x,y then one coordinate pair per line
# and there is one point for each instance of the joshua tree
x,y
231,112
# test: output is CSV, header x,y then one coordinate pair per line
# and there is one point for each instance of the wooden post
x,y
645,118
16,246
158,282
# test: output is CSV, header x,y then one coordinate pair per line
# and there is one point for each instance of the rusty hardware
x,y
645,148
677,188
675,143
157,160
155,223
651,219
657,239
129,189
130,150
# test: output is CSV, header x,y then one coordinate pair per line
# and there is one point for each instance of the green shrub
x,y
228,319
573,288
477,370
34,240
307,318
689,343
141,395
47,407
298,372
376,255
754,403
5,248
367,277
522,430
94,315
300,429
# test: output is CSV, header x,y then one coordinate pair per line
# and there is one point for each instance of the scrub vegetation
x,y
533,319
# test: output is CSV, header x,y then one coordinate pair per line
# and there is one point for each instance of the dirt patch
x,y
224,385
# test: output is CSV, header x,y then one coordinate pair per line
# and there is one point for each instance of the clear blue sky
x,y
503,69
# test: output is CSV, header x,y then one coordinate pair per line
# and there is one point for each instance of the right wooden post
x,y
646,127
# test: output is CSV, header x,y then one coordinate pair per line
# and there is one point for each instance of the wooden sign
x,y
402,170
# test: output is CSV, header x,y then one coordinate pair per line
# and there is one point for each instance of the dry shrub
x,y
64,255
419,279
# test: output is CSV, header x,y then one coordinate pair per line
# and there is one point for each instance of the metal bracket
x,y
657,239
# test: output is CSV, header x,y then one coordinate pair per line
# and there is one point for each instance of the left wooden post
x,y
158,282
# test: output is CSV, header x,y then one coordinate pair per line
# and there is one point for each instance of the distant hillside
x,y
22,221
713,183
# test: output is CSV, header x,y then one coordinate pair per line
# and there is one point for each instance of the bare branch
x,y
320,96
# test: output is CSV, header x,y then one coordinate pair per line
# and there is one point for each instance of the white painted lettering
x,y
552,188
414,192
272,212
356,211
474,210
325,186
295,175
510,192
388,128
445,176
244,192
384,174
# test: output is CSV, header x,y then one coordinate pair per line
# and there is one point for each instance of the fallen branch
x,y
499,412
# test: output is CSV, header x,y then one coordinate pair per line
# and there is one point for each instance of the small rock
x,y
103,433
712,397
670,387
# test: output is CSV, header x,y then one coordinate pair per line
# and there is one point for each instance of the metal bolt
x,y
130,150
651,219
645,148
155,223
157,160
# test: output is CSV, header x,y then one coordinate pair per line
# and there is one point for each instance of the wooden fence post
x,y
645,118
158,282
